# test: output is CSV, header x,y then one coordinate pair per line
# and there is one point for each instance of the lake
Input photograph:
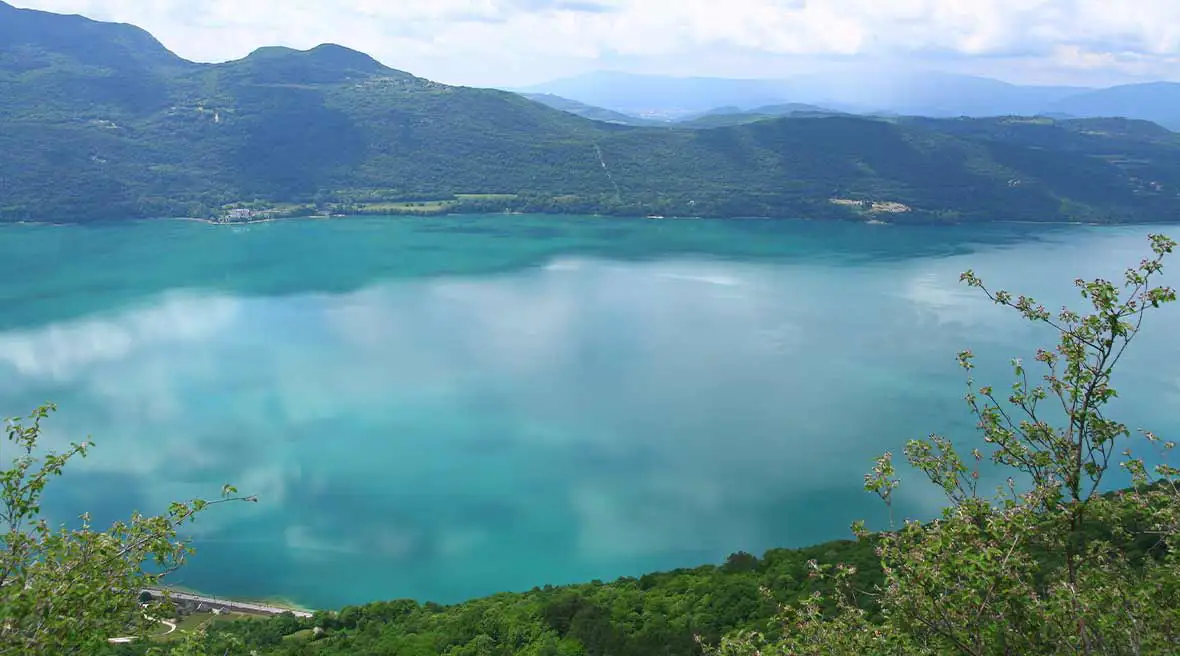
x,y
449,407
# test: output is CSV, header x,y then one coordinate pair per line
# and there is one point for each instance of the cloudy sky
x,y
519,42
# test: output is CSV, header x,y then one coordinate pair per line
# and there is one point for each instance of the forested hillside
x,y
653,614
100,121
677,613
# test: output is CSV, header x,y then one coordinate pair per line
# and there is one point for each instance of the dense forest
x,y
100,121
660,613
676,613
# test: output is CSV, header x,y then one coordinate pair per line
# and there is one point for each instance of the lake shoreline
x,y
274,602
567,399
863,221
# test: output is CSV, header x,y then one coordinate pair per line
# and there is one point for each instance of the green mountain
x,y
1152,101
719,117
589,111
862,88
99,121
659,613
724,116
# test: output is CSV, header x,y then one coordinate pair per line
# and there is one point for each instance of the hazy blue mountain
x,y
868,89
717,117
791,109
1155,101
858,90
785,109
864,90
723,116
660,95
588,111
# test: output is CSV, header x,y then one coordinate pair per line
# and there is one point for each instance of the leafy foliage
x,y
1050,566
67,590
664,613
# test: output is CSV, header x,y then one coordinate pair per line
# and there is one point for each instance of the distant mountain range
x,y
723,116
717,117
589,111
867,91
1158,102
101,121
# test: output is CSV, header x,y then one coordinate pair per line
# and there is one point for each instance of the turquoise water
x,y
445,408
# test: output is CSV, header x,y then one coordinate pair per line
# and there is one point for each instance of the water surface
x,y
444,408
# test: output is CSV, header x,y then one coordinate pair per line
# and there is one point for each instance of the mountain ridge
x,y
327,63
928,93
588,111
332,130
31,26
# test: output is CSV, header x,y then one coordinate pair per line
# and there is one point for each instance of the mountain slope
x,y
671,97
29,37
587,111
718,117
861,89
866,90
54,66
1158,102
874,89
724,116
137,132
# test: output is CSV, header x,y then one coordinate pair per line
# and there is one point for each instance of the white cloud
x,y
512,41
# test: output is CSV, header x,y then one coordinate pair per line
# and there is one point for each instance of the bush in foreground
x,y
1048,566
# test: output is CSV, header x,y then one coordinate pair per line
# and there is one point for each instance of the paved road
x,y
213,602
171,627
237,606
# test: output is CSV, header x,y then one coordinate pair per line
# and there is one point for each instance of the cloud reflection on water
x,y
584,418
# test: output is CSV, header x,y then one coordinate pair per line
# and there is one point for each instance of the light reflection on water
x,y
525,403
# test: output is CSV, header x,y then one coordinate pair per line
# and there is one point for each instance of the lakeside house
x,y
238,215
